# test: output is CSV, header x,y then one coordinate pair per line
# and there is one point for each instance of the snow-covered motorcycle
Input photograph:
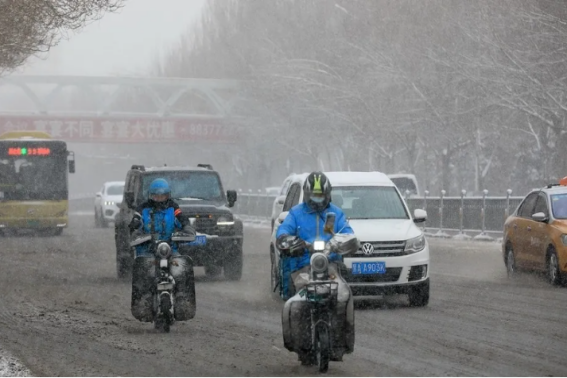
x,y
320,293
163,283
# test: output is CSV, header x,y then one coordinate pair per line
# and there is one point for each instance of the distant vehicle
x,y
34,182
107,203
406,182
394,253
279,201
535,235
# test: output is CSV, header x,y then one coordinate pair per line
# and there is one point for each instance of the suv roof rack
x,y
138,167
552,185
207,166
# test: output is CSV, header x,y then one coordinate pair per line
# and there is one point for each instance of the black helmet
x,y
317,191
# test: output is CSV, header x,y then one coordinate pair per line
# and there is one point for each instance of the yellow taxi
x,y
535,235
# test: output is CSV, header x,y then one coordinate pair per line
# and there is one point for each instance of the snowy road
x,y
63,312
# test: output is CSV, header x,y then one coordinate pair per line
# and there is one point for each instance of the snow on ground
x,y
11,367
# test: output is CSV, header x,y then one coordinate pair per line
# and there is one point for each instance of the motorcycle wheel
x,y
322,347
307,358
163,321
160,324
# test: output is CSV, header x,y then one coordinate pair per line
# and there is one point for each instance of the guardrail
x,y
450,216
457,217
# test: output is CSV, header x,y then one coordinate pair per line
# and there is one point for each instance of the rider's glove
x,y
136,222
184,220
333,245
188,229
290,245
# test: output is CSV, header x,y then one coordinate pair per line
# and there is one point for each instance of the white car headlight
x,y
415,245
225,221
109,203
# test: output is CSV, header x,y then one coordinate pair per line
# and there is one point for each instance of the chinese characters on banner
x,y
123,130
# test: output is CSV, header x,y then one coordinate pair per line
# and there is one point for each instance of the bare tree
x,y
29,27
463,94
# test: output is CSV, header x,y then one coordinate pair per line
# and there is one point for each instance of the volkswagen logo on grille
x,y
367,248
31,211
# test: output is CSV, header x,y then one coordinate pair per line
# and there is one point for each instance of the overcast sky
x,y
124,43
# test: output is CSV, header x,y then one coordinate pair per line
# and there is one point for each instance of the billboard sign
x,y
123,129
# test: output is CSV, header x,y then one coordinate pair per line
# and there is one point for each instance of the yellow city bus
x,y
34,183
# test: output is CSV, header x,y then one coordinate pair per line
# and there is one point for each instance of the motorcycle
x,y
321,295
163,286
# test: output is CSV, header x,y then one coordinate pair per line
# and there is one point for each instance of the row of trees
x,y
32,27
465,94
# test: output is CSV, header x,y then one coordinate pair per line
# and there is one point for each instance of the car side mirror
x,y
282,216
231,197
99,194
540,217
419,216
129,199
280,200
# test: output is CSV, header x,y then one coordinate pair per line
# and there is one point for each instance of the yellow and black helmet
x,y
317,191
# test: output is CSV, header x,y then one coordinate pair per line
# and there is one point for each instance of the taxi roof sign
x,y
563,181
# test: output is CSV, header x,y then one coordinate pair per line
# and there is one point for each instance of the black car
x,y
201,197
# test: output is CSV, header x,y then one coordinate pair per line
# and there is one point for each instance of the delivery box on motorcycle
x,y
184,295
143,288
296,325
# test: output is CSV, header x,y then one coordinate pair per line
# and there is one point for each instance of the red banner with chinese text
x,y
124,130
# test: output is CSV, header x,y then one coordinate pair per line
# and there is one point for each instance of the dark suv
x,y
200,195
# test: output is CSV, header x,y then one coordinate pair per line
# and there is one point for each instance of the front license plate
x,y
199,240
374,267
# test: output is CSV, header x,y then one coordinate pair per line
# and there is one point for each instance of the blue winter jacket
x,y
302,221
165,223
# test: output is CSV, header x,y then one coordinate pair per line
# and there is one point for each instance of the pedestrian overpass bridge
x,y
121,109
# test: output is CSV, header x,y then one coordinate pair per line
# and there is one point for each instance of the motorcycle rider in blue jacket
x,y
158,215
307,220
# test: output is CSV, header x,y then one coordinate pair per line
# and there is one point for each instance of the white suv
x,y
107,202
280,198
394,253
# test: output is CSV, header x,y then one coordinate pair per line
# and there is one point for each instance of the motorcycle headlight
x,y
163,250
415,245
318,245
319,263
225,221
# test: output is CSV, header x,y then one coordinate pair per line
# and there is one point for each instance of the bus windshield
x,y
33,178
